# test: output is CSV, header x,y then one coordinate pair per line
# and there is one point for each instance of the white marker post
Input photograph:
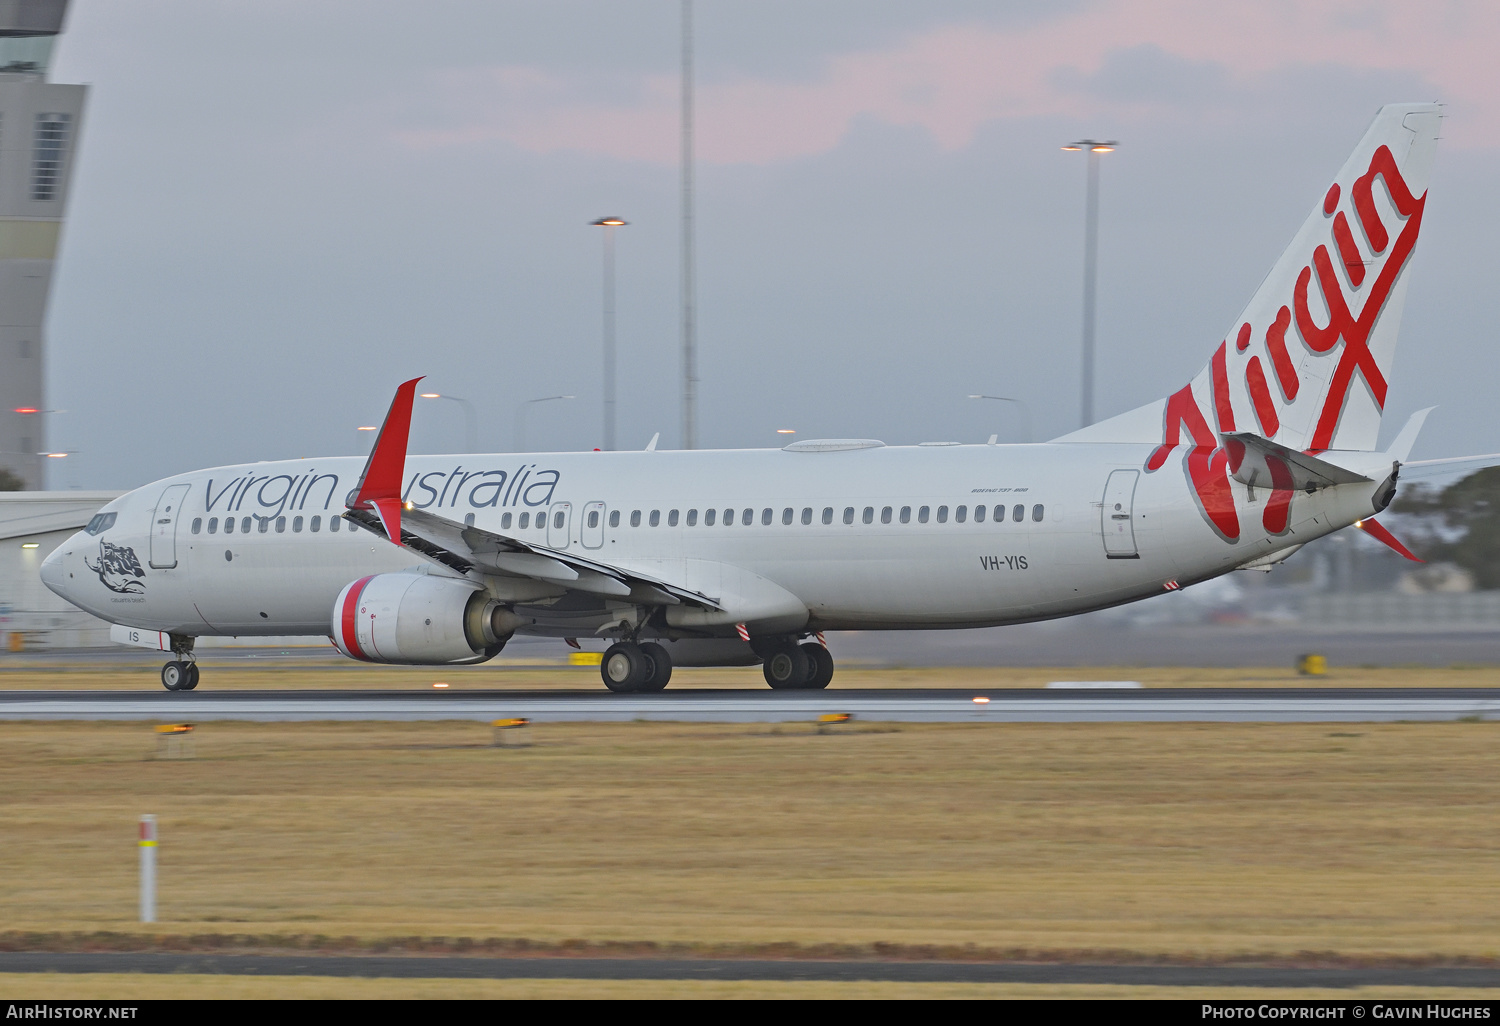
x,y
148,869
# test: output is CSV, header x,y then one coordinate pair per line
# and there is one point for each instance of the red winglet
x,y
1380,534
379,486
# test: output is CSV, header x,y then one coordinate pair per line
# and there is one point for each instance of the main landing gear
x,y
806,667
632,668
181,674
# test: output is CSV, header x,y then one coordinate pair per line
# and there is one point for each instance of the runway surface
x,y
740,969
1247,705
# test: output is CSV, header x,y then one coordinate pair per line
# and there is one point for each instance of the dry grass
x,y
1211,841
317,671
123,987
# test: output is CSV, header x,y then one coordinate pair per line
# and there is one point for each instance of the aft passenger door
x,y
558,525
1117,516
164,527
591,533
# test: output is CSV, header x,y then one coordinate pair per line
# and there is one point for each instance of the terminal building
x,y
40,122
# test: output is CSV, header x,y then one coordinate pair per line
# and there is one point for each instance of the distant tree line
x,y
10,482
1458,524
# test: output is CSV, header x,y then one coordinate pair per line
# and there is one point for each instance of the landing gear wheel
x,y
821,663
786,668
625,668
174,675
191,679
661,667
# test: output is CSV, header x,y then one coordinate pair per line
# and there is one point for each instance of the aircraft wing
x,y
464,548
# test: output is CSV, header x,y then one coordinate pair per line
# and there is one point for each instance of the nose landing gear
x,y
181,674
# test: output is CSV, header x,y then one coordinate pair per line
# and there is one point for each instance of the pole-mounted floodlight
x,y
521,417
609,224
471,422
1094,148
1025,409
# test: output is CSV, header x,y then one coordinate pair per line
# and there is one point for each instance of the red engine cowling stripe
x,y
347,618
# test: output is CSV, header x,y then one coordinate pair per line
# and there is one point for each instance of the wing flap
x,y
465,548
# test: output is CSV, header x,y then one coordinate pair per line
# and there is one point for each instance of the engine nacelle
x,y
415,618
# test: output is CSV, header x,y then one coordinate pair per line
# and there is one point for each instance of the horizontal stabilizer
x,y
1260,462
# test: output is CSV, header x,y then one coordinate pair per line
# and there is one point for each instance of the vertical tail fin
x,y
1308,361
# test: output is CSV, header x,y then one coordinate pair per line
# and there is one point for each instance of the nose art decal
x,y
118,568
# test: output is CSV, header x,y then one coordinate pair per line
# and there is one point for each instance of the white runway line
x,y
765,709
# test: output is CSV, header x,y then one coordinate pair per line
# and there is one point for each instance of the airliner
x,y
744,557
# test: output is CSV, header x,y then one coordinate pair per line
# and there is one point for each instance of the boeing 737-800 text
x,y
738,557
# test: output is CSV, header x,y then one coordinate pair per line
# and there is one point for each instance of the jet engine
x,y
419,619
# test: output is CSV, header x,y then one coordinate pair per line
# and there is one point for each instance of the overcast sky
x,y
281,210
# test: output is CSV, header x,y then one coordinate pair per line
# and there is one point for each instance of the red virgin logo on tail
x,y
1207,464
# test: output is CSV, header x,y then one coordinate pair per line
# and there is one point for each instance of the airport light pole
x,y
1025,410
1094,148
521,417
471,422
689,282
609,224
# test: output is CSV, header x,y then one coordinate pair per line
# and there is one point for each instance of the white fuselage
x,y
917,554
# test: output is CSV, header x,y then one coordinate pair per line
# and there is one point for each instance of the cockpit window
x,y
100,523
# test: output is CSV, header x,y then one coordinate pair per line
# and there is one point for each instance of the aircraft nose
x,y
52,572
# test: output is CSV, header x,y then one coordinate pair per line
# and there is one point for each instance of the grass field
x,y
324,672
1194,842
122,987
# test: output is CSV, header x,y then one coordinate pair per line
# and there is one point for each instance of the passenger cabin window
x,y
979,514
961,514
765,517
197,524
1036,513
729,518
827,514
672,518
468,521
263,524
885,515
656,518
635,518
942,514
999,514
787,515
906,514
315,524
244,525
710,517
614,518
229,525
296,525
748,517
281,525
848,514
593,518
869,515
213,525
692,518
807,515
557,519
334,524
1018,513
922,514
525,521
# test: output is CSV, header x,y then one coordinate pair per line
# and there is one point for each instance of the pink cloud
x,y
952,80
